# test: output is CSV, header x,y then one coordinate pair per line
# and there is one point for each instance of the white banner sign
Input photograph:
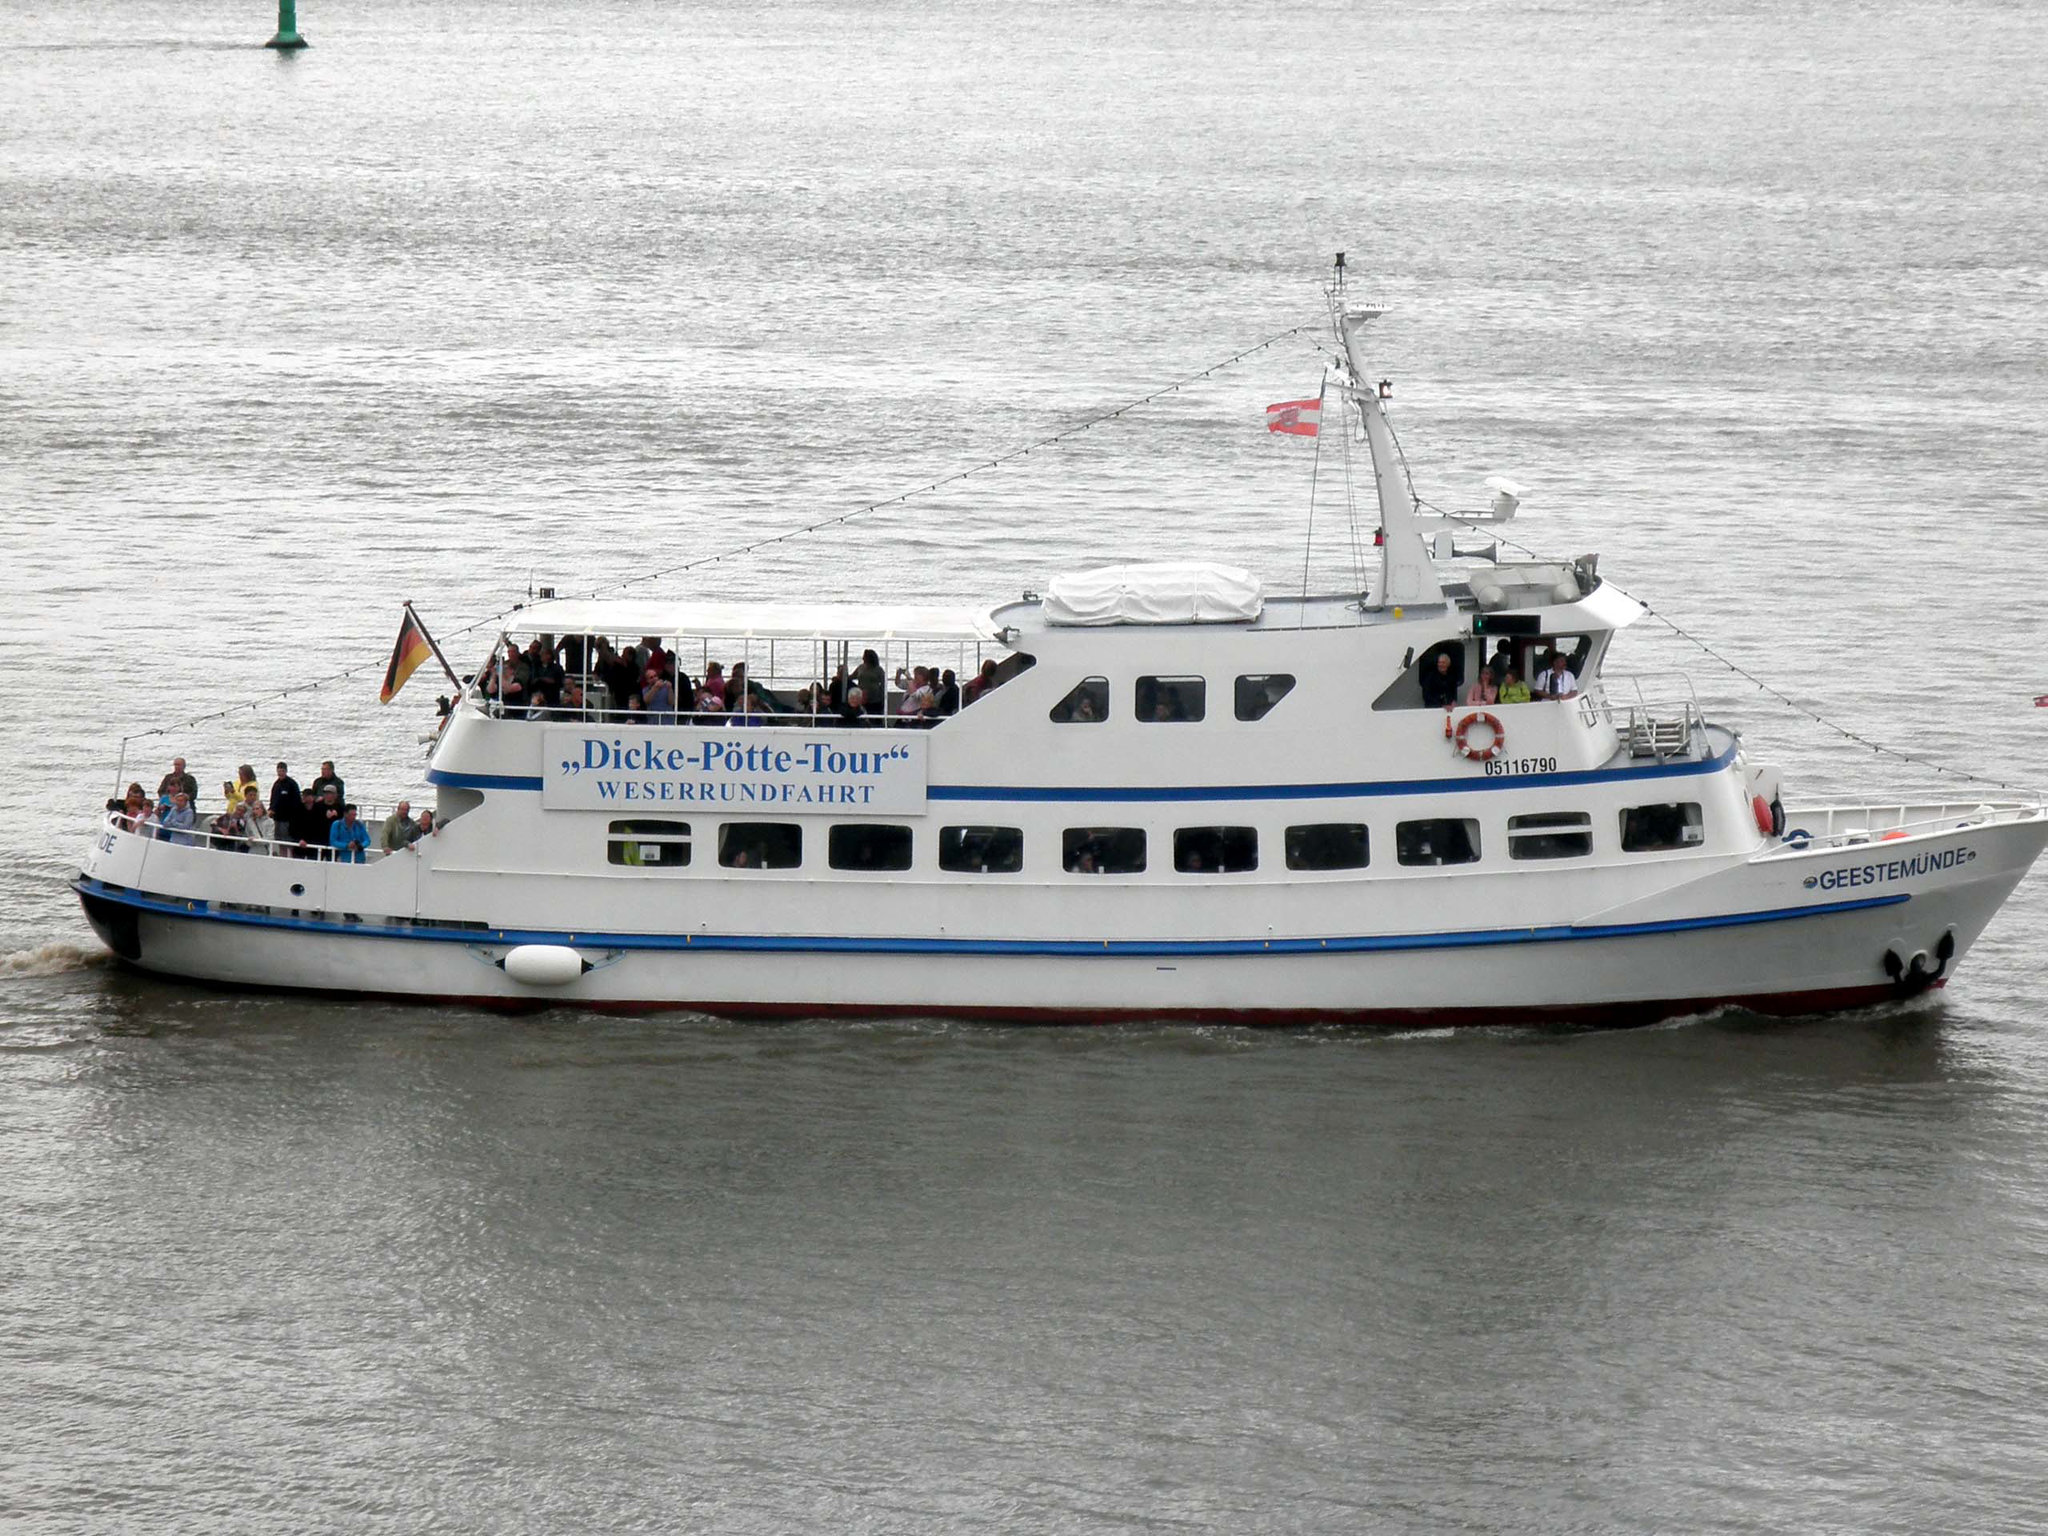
x,y
736,768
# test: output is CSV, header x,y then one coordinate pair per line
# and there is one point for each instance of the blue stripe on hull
x,y
833,944
1107,794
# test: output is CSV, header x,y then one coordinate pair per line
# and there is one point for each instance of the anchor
x,y
1911,978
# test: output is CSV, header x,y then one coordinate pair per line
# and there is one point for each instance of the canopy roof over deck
x,y
632,618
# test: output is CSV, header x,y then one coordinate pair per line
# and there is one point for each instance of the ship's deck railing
x,y
606,714
1854,826
1654,716
199,836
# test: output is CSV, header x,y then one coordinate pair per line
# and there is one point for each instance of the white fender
x,y
543,965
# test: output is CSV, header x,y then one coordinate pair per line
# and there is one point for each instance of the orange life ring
x,y
1761,808
1477,754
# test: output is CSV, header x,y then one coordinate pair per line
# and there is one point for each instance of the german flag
x,y
412,652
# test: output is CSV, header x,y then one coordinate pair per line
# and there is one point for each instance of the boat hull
x,y
1732,939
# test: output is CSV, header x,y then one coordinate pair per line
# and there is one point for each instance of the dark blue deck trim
x,y
481,780
833,944
1109,795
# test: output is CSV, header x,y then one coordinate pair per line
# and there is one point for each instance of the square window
x,y
1257,693
1215,850
1328,845
1550,835
1444,840
1171,700
1103,850
760,845
1655,828
868,846
648,844
981,850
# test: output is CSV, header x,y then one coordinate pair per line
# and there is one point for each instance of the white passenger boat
x,y
1178,797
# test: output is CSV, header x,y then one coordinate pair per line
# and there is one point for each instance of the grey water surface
x,y
1752,296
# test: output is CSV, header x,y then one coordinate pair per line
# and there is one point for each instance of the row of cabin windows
x,y
879,847
1171,700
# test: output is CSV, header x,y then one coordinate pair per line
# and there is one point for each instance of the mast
x,y
1407,572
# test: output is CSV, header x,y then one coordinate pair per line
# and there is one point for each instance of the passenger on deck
x,y
226,831
1439,683
178,778
747,710
423,831
618,674
948,701
735,685
917,692
175,825
257,826
287,806
399,829
981,683
711,692
245,778
854,711
1484,689
134,808
1557,681
349,838
502,684
872,681
1512,689
657,698
328,779
322,815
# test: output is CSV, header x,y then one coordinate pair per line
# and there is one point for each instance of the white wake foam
x,y
50,960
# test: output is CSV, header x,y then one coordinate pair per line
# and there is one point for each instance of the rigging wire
x,y
314,684
1075,430
1315,470
1803,710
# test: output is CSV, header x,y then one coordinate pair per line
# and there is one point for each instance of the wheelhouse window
x,y
1103,850
1257,693
1087,703
1328,845
1550,835
868,846
1656,828
1172,700
760,844
1445,840
981,850
648,844
1215,850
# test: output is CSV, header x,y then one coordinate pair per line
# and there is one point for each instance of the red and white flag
x,y
1298,418
2041,701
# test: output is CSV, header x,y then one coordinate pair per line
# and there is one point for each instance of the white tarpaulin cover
x,y
1174,592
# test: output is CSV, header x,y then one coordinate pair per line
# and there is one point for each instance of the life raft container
x,y
1492,748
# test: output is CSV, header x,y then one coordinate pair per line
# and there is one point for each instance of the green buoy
x,y
287,37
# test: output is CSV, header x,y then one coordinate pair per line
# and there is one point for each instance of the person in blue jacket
x,y
349,837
